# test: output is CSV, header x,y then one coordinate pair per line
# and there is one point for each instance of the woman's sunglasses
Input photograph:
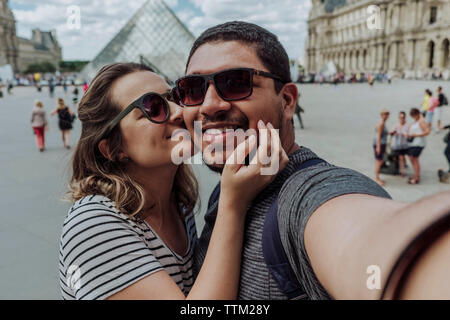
x,y
153,105
231,85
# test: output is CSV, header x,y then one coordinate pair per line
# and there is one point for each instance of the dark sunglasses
x,y
153,105
231,85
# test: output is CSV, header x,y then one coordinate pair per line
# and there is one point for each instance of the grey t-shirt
x,y
301,194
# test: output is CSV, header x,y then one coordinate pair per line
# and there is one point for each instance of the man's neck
x,y
293,149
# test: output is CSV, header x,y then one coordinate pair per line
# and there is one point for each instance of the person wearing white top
x,y
416,142
400,144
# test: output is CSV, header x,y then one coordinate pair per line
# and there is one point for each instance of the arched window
x,y
445,54
430,51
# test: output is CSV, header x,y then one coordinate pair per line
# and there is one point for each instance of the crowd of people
x,y
408,139
342,77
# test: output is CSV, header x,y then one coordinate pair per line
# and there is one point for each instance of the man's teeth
x,y
215,131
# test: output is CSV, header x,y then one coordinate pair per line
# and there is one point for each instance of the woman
x,y
39,124
131,231
416,142
400,145
379,144
65,116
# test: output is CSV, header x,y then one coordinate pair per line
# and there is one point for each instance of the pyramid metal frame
x,y
154,36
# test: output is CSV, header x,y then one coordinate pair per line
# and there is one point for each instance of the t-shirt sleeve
x,y
300,196
102,253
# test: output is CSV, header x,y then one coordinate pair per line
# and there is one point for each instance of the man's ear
x,y
104,149
290,97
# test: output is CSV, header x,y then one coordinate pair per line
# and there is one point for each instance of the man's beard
x,y
219,168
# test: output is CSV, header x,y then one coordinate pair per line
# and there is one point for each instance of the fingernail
x,y
260,123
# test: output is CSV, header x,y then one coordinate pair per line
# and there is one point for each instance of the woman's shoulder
x,y
94,209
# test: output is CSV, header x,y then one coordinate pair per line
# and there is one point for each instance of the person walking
x,y
438,111
10,87
416,142
429,105
444,177
379,144
39,124
75,96
400,144
51,88
299,110
66,117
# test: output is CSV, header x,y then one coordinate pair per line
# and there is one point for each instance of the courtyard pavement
x,y
339,126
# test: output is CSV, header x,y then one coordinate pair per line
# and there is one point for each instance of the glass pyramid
x,y
154,36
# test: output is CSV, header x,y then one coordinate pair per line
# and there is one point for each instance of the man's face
x,y
215,113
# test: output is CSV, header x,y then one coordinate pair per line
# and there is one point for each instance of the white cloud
x,y
285,18
102,19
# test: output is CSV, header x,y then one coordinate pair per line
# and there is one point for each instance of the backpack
x,y
444,100
273,251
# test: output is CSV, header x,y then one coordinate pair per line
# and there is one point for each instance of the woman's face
x,y
147,144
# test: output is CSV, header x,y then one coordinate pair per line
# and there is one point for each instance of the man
x,y
444,177
438,111
329,218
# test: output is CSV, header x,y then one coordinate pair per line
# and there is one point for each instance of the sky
x,y
102,19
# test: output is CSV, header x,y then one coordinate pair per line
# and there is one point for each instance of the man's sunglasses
x,y
153,105
231,85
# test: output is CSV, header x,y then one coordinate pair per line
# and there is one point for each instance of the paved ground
x,y
339,127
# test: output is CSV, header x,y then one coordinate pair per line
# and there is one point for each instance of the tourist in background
x,y
39,124
66,117
438,111
445,176
51,88
400,145
379,144
429,105
416,142
75,95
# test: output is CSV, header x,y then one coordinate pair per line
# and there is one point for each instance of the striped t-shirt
x,y
103,251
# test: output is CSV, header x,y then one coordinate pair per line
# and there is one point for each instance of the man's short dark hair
x,y
268,49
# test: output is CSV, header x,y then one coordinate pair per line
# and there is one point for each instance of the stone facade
x,y
20,52
412,38
8,40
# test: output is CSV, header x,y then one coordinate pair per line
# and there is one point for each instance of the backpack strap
x,y
273,251
274,254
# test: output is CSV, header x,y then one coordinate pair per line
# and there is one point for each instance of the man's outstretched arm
x,y
350,233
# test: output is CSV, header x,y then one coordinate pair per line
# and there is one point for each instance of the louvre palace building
x,y
408,38
21,52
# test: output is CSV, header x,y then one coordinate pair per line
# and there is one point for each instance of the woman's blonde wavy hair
x,y
93,174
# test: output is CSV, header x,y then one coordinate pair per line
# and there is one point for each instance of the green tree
x,y
43,67
72,66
